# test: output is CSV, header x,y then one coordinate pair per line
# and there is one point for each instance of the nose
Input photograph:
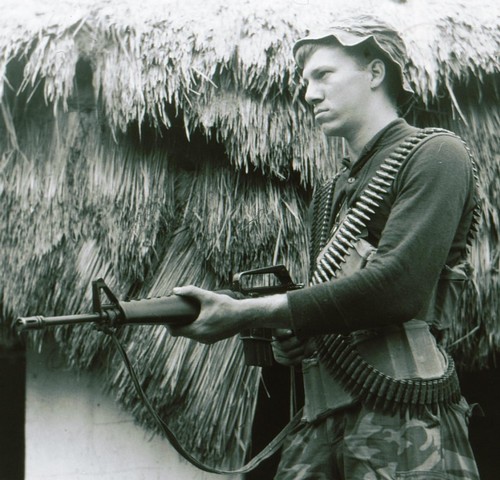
x,y
313,94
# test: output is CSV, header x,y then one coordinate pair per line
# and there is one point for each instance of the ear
x,y
377,72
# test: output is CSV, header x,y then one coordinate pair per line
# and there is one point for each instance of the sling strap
x,y
265,453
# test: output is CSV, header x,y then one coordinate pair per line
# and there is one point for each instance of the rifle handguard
x,y
152,311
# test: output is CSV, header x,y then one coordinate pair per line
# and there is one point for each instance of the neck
x,y
361,136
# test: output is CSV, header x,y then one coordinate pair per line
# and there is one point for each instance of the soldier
x,y
388,246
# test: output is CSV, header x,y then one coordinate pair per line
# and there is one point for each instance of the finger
x,y
187,290
173,331
289,343
297,355
178,330
282,333
287,362
288,349
190,291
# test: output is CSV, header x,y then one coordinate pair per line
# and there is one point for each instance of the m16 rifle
x,y
175,310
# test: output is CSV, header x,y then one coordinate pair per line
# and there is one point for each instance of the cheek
x,y
342,90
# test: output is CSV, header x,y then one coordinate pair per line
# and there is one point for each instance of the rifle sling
x,y
265,453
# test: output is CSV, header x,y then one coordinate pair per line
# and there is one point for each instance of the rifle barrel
x,y
39,322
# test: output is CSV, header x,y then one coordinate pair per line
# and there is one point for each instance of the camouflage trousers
x,y
360,444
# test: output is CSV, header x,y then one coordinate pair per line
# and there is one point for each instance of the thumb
x,y
188,290
282,333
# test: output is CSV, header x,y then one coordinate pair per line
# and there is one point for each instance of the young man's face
x,y
338,89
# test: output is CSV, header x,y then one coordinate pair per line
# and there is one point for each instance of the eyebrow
x,y
320,68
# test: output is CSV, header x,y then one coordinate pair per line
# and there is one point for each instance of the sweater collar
x,y
386,136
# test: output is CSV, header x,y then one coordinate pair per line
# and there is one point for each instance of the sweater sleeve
x,y
432,192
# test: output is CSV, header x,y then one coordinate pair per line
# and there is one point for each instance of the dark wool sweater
x,y
421,225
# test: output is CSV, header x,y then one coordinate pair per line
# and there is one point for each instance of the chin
x,y
331,131
335,128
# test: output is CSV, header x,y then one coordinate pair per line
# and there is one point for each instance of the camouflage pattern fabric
x,y
361,444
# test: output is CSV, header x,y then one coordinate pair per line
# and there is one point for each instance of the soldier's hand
x,y
288,350
218,318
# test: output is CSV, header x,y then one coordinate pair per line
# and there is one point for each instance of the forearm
x,y
270,312
222,316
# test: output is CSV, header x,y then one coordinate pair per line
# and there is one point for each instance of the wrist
x,y
265,312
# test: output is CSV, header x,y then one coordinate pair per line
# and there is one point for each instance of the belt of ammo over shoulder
x,y
337,352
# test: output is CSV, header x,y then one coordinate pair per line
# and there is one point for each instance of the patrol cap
x,y
353,31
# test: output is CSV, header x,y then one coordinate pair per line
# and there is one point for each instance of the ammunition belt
x,y
341,358
380,391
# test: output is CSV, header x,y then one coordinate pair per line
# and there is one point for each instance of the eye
x,y
322,74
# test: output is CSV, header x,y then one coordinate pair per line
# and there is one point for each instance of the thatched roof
x,y
159,143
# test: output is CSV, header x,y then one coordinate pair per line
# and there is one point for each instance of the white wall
x,y
74,432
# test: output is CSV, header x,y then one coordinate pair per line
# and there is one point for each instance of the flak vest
x,y
397,368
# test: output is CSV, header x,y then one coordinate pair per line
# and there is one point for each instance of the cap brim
x,y
347,39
